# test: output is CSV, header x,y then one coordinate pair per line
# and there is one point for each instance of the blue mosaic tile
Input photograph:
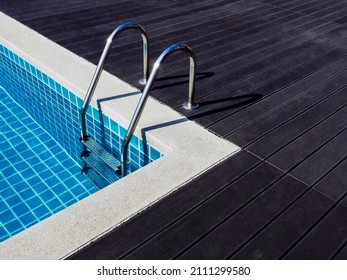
x,y
33,202
41,177
54,203
12,201
14,226
3,233
26,194
7,216
41,212
28,219
7,192
65,197
20,209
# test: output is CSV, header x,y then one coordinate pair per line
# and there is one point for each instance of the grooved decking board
x,y
332,10
325,239
287,229
310,142
222,241
168,243
255,112
313,116
262,129
342,253
271,77
323,162
271,85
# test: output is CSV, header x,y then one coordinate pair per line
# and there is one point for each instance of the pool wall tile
x,y
56,109
49,94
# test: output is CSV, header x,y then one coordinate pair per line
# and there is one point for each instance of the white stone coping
x,y
189,151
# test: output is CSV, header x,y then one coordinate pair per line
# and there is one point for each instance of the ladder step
x,y
102,154
97,180
101,168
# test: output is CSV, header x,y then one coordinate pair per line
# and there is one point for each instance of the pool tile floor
x,y
37,177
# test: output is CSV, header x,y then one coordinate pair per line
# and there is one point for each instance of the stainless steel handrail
x,y
100,67
189,105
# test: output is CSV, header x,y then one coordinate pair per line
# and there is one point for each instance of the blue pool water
x,y
39,145
37,178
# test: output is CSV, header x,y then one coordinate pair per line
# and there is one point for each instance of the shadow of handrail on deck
x,y
199,76
249,98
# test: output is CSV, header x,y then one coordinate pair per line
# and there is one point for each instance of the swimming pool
x,y
40,172
188,148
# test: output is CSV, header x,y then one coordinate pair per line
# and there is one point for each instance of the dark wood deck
x,y
272,78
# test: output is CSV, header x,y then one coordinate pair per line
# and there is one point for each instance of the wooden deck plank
x,y
301,124
342,253
274,70
246,24
271,78
260,109
310,142
220,79
295,5
334,184
309,8
162,38
323,241
319,8
322,162
287,229
334,13
263,87
30,10
269,122
169,242
230,53
168,17
236,230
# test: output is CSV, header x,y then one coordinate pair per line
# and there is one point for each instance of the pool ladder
x,y
98,164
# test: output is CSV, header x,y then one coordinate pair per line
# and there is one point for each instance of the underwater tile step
x,y
96,179
100,167
102,153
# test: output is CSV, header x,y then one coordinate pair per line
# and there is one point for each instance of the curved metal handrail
x,y
189,105
100,67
